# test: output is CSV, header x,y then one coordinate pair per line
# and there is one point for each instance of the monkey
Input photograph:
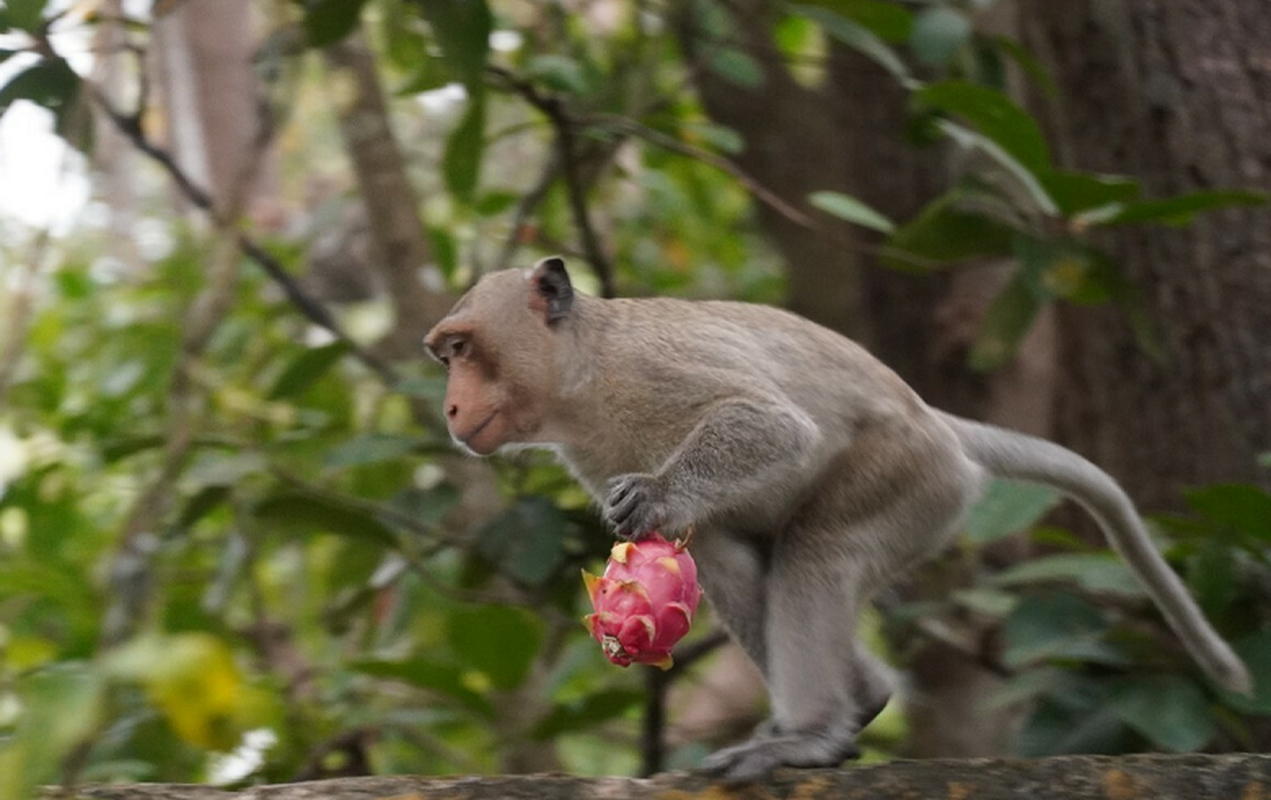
x,y
808,471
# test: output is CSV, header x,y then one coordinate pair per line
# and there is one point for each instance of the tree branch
x,y
130,126
566,129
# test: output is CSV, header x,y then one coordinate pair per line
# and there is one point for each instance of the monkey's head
x,y
500,345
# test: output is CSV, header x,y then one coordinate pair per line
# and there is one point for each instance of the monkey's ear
x,y
551,293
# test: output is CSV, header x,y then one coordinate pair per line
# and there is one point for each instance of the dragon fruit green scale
x,y
645,601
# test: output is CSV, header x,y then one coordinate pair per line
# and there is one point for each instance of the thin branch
x,y
130,126
18,314
524,210
657,682
566,129
667,142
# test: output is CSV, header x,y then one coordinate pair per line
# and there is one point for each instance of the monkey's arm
x,y
739,447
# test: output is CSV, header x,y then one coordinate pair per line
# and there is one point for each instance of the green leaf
x,y
1255,651
993,114
1169,710
28,15
1095,572
328,21
1007,321
369,448
305,514
224,468
527,541
430,73
1065,268
1211,575
442,678
1244,508
1030,65
1080,191
1075,719
938,33
891,22
735,66
1031,685
587,713
462,30
852,210
493,203
464,150
1182,209
50,83
1007,508
943,234
720,137
558,73
1027,179
445,249
856,36
61,707
201,504
306,369
1056,625
989,602
499,641
426,506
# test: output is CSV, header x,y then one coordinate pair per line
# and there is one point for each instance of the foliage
x,y
303,577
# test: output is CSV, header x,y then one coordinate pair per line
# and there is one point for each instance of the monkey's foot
x,y
758,757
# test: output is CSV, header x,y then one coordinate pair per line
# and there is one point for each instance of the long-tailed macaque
x,y
809,472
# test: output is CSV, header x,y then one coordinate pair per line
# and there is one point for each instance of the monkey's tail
x,y
1014,455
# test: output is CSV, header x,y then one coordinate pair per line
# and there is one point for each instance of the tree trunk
x,y
1176,93
113,159
204,50
392,205
793,147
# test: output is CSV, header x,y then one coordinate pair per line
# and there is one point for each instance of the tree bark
x,y
1176,93
1138,777
794,146
392,204
204,51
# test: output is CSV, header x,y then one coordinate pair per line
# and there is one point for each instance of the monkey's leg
x,y
731,570
873,687
814,593
873,684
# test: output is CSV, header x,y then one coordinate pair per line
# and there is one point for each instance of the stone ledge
x,y
1140,777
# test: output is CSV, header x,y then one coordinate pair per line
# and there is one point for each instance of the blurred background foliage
x,y
236,545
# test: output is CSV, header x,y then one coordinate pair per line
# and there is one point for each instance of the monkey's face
x,y
498,346
480,408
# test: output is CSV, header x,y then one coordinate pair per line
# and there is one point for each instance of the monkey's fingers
x,y
682,542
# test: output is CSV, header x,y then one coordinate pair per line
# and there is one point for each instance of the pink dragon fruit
x,y
645,601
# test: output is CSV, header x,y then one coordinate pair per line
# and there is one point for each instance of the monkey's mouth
x,y
472,434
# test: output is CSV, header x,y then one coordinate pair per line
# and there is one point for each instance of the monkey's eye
x,y
458,347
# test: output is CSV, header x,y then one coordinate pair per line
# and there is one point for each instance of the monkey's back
x,y
733,347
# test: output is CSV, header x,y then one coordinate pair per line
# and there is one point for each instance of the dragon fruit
x,y
645,601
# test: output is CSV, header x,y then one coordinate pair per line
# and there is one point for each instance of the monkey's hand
x,y
637,504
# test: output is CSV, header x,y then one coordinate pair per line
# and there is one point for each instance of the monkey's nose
x,y
452,411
